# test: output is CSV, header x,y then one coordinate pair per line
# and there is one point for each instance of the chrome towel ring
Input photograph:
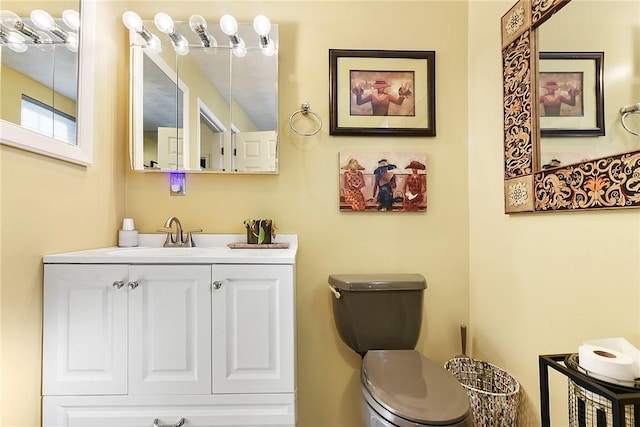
x,y
304,110
625,111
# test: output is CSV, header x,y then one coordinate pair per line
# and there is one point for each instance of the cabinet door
x,y
253,332
85,330
169,329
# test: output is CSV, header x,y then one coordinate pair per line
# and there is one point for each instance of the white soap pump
x,y
128,236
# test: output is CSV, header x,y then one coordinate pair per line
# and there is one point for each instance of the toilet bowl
x,y
405,389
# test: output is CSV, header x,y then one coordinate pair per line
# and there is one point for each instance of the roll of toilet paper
x,y
606,362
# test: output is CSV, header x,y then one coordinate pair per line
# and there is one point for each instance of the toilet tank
x,y
378,311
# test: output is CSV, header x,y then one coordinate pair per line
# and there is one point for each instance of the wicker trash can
x,y
493,393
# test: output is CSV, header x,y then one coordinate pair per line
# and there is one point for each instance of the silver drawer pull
x,y
180,423
133,285
118,284
217,284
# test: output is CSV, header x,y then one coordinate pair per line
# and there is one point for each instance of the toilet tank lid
x,y
378,282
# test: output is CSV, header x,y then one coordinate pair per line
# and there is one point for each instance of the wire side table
x,y
618,396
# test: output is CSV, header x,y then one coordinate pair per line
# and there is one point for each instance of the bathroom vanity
x,y
154,336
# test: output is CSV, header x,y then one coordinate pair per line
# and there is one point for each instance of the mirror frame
x,y
82,153
609,182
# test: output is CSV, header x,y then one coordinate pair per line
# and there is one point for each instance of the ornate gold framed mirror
x,y
607,173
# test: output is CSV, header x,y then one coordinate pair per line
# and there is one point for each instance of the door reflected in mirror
x,y
233,100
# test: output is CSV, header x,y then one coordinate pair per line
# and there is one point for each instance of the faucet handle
x,y
188,239
169,240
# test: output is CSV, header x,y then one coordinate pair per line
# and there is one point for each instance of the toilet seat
x,y
407,389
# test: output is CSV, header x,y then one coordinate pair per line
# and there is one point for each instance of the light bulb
x,y
240,51
182,47
42,20
163,22
71,19
72,42
154,45
229,25
45,44
198,24
10,20
261,25
269,49
14,41
132,21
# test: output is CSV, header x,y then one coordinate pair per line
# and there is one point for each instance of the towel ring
x,y
304,111
625,111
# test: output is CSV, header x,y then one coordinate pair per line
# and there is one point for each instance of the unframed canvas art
x,y
383,182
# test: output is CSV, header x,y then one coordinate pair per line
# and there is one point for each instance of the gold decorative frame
x,y
605,183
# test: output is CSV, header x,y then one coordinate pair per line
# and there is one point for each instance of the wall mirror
x,y
204,109
555,44
47,78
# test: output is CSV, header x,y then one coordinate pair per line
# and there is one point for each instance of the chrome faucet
x,y
179,239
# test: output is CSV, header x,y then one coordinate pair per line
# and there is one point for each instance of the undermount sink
x,y
170,251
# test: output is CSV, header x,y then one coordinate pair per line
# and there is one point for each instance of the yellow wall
x,y
303,198
526,284
541,283
51,206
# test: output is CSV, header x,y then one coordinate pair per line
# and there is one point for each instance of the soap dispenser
x,y
128,236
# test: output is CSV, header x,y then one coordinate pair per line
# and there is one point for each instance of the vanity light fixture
x,y
44,21
12,22
262,26
164,23
199,26
13,41
133,22
229,26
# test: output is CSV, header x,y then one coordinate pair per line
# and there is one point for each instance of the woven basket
x,y
493,393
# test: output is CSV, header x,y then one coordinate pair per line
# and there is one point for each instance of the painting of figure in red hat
x,y
383,182
560,94
382,93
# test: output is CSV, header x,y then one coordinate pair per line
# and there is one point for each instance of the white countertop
x,y
210,249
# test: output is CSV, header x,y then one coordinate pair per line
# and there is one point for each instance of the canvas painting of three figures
x,y
383,182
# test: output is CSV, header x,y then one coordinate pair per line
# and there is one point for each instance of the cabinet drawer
x,y
141,411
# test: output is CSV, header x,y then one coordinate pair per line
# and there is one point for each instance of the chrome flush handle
x,y
336,292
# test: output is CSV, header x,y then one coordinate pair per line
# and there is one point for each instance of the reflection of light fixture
x,y
133,22
262,26
71,19
199,26
44,21
14,23
229,26
164,23
13,41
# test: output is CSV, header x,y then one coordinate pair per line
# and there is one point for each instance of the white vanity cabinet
x,y
138,345
119,329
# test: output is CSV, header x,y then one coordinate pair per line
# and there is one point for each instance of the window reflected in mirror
x,y
39,83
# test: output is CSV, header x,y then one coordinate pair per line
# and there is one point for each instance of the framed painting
x,y
570,89
382,93
383,182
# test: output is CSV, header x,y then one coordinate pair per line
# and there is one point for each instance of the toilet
x,y
379,316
